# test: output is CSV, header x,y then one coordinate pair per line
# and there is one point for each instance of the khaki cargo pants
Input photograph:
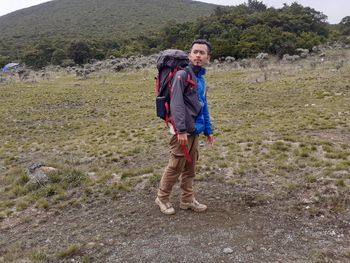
x,y
178,166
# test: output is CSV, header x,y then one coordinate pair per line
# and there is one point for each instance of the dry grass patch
x,y
281,127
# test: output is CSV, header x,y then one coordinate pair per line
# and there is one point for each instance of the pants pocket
x,y
176,162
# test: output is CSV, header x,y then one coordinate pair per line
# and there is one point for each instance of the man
x,y
189,118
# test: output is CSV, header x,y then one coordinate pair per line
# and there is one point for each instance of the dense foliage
x,y
239,31
345,25
248,29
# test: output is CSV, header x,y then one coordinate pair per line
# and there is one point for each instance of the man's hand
x,y
210,139
182,138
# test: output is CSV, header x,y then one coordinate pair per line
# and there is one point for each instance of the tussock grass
x,y
16,253
68,251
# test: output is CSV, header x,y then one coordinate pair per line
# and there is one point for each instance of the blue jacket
x,y
203,121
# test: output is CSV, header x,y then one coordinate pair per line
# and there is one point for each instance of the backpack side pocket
x,y
161,107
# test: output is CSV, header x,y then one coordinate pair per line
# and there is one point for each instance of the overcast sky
x,y
334,9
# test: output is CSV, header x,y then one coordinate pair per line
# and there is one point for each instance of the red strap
x,y
167,114
183,147
187,155
190,81
171,74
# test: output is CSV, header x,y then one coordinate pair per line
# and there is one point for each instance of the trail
x,y
130,228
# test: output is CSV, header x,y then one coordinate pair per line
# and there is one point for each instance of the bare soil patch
x,y
130,228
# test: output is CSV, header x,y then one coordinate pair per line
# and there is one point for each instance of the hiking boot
x,y
165,208
194,206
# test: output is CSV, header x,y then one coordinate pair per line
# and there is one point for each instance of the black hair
x,y
202,42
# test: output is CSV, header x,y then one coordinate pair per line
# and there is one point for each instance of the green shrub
x,y
79,52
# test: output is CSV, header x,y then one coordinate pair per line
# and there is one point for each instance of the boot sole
x,y
157,201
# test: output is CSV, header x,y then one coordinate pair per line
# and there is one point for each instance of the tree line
x,y
240,31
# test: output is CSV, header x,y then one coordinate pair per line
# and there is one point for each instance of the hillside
x,y
64,32
72,19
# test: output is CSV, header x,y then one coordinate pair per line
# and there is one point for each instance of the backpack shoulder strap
x,y
189,81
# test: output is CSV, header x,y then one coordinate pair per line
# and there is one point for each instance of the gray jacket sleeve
x,y
177,104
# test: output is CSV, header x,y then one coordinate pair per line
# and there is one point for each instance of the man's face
x,y
199,55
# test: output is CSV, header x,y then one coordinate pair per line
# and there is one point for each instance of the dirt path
x,y
129,228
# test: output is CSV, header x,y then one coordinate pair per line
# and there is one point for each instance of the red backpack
x,y
168,63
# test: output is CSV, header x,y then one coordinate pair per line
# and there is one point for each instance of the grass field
x,y
283,130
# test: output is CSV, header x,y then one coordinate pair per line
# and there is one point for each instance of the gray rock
x,y
228,250
229,59
315,49
245,63
302,50
114,61
34,167
38,179
303,53
287,57
119,67
249,248
82,73
38,174
262,56
337,45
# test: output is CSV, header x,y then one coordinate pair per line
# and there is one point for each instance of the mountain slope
x,y
74,19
